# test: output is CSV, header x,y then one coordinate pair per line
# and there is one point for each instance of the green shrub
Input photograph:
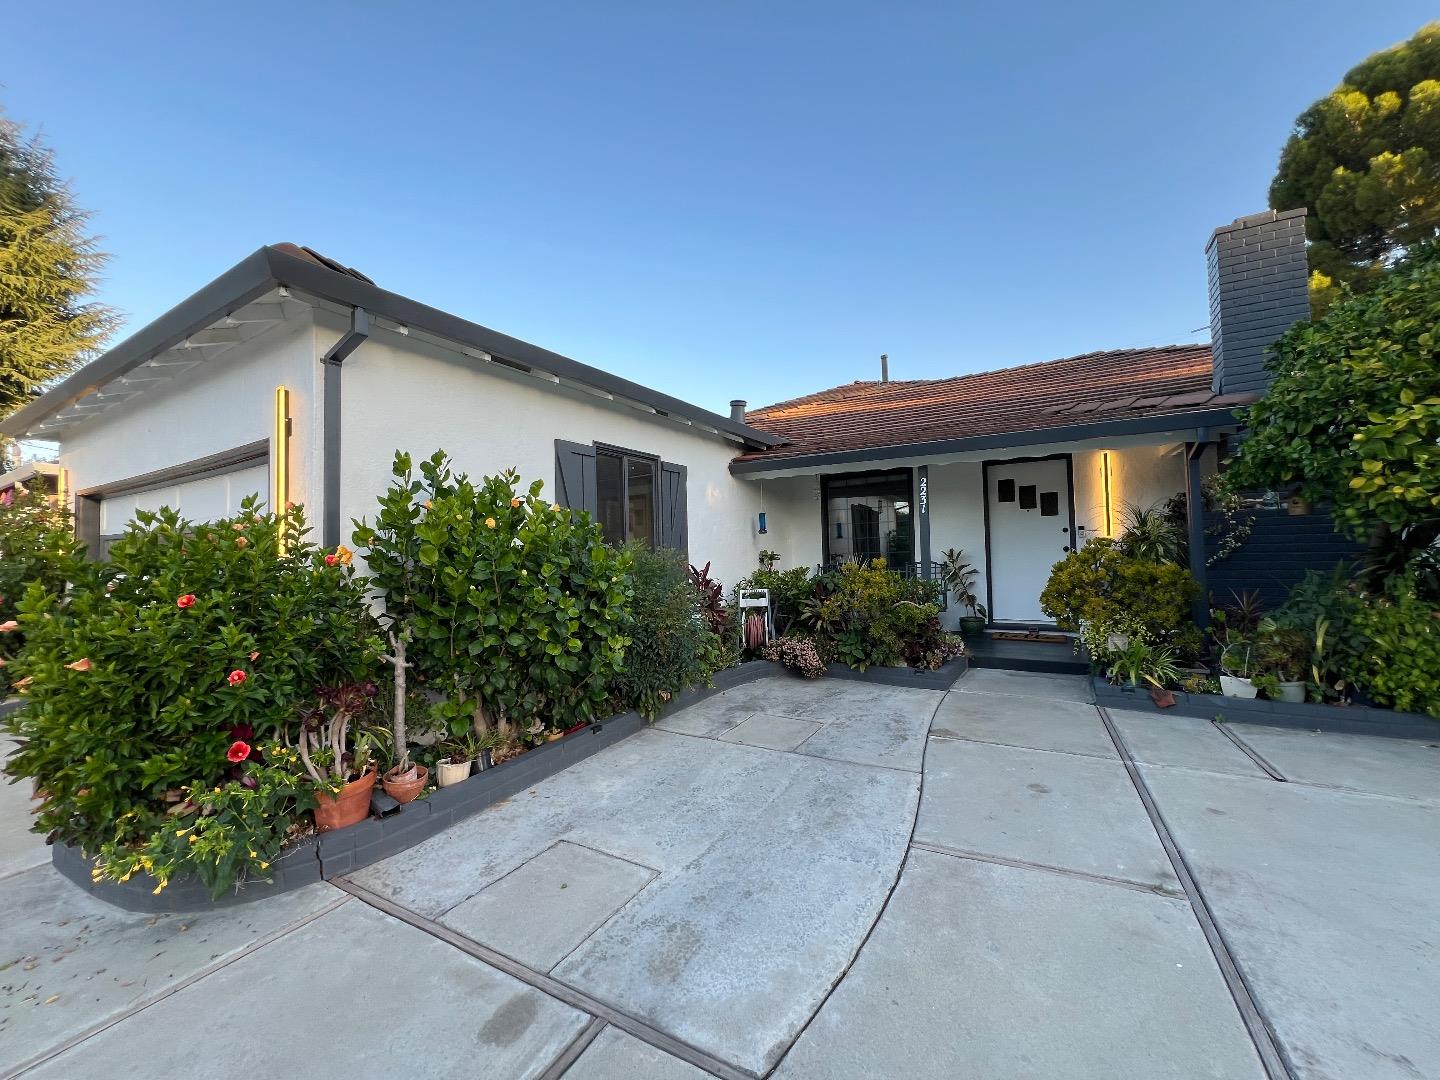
x,y
671,643
36,545
1401,666
1107,594
516,609
871,616
1326,608
191,640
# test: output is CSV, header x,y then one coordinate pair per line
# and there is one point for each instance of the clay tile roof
x,y
314,256
1095,386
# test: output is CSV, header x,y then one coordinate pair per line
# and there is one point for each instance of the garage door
x,y
206,498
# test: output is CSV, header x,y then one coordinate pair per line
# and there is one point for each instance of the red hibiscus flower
x,y
238,752
331,560
236,677
188,600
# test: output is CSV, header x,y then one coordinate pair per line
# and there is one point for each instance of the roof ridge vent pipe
x,y
884,367
737,410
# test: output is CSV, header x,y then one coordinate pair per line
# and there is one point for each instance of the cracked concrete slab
x,y
1405,768
1329,902
771,732
1071,727
977,971
734,951
1061,810
545,908
1185,742
308,1004
1025,684
70,962
615,1055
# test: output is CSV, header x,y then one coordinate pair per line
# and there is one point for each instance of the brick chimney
x,y
1258,290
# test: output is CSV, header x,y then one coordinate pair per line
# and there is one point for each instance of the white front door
x,y
1031,529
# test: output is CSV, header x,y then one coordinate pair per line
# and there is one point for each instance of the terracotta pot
x,y
1162,697
404,788
448,772
352,804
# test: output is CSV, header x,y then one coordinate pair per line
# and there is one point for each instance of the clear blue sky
x,y
720,200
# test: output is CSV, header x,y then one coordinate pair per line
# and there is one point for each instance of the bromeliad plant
x,y
151,680
514,608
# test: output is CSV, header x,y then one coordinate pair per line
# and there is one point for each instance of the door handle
x,y
1065,548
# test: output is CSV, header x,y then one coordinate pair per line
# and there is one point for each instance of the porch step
x,y
1043,656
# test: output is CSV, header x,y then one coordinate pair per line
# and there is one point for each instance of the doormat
x,y
1031,635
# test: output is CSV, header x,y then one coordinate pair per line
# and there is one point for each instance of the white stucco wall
x,y
221,404
400,393
1140,476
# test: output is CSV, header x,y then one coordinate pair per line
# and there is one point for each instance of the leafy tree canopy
x,y
1365,162
1353,416
48,265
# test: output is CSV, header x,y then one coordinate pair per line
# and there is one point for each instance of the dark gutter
x,y
241,284
270,267
1141,425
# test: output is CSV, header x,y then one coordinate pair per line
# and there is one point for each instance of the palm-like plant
x,y
959,577
1150,533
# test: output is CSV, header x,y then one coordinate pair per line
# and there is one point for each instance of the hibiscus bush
x,y
153,680
515,608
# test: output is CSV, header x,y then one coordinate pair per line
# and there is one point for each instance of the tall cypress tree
x,y
48,265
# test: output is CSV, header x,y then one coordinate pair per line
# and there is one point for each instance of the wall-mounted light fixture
x,y
280,461
1105,481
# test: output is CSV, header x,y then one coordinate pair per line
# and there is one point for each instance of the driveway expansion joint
x,y
1250,752
549,984
1267,1046
1022,864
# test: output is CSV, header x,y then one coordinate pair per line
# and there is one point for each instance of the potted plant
x,y
1141,662
344,774
408,778
1284,655
459,755
959,577
1237,668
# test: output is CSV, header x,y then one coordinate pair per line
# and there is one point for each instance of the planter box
x,y
942,678
1345,720
343,851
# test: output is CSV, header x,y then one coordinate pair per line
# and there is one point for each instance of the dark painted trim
x,y
1195,529
226,461
269,267
1095,430
942,678
1341,720
922,518
1069,460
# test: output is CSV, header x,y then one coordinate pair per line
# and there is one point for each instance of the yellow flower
x,y
515,502
555,507
489,523
193,838
156,891
264,866
345,554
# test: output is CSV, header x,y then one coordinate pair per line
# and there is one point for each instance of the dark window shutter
x,y
575,476
674,531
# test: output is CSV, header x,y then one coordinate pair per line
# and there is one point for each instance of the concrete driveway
x,y
823,879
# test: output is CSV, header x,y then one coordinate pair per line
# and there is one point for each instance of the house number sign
x,y
924,494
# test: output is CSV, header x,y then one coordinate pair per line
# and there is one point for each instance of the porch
x,y
1012,511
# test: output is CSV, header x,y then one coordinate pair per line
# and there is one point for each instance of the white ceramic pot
x,y
1293,692
449,773
1234,687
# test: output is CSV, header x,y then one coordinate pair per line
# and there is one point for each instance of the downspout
x,y
359,331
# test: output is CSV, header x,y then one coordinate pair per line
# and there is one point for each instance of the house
x,y
296,377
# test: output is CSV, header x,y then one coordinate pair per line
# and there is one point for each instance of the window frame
x,y
625,454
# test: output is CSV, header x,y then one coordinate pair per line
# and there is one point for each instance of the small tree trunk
x,y
402,736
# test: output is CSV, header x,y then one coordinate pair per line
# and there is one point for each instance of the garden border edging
x,y
1340,720
332,854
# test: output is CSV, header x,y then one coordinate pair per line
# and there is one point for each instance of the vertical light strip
x,y
280,460
1105,481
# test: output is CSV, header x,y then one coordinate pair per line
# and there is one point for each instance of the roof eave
x,y
1094,429
269,267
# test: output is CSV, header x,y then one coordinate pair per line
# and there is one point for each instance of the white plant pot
x,y
1293,692
452,774
1232,686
